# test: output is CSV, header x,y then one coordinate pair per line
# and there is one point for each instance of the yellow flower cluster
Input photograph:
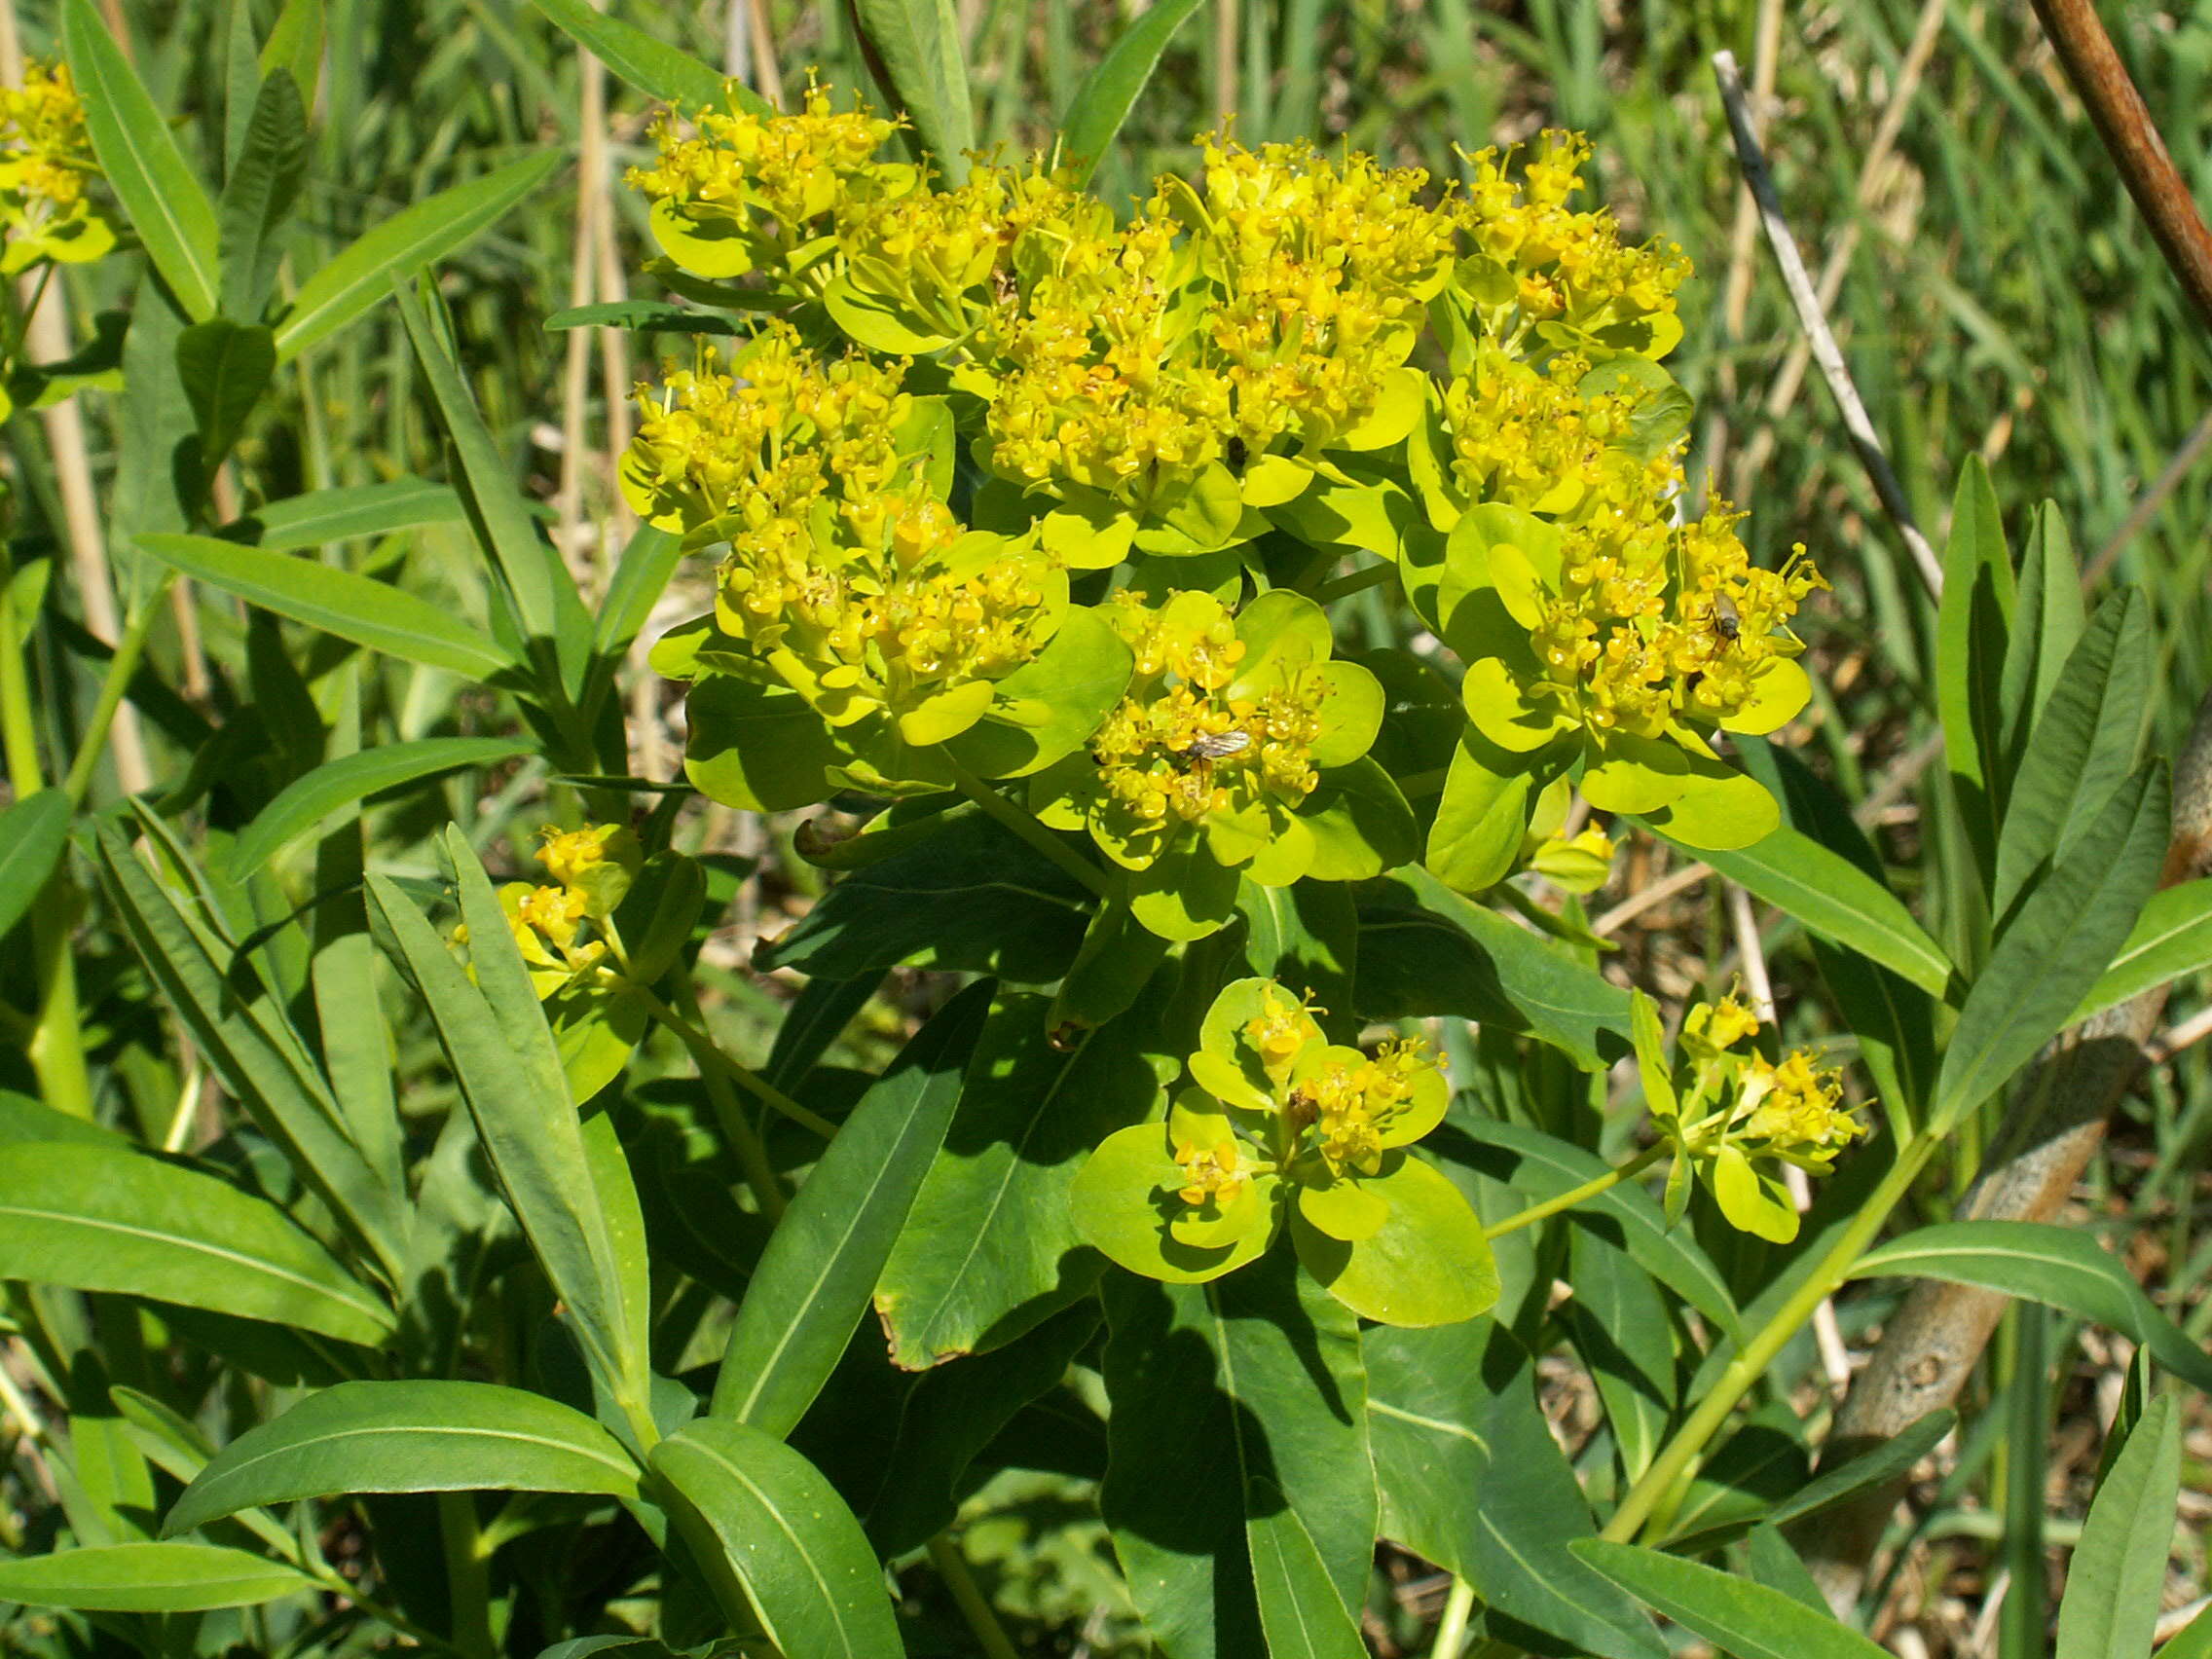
x,y
1648,624
1796,1111
1217,1173
1531,438
1351,1108
1181,749
1545,262
739,190
46,162
591,869
845,571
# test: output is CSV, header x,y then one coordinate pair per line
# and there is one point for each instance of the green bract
x,y
1283,1129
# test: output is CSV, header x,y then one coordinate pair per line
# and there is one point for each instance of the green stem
x,y
703,1047
1667,1471
1589,1189
716,1070
1359,582
120,668
468,1586
975,1607
335,1582
1027,828
1452,1628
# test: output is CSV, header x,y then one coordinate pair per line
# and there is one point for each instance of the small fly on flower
x,y
1210,747
1726,622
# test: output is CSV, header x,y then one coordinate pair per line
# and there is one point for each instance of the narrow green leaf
x,y
2119,1570
149,1578
2082,747
323,516
537,584
415,237
640,577
295,43
769,1529
2172,937
1111,90
2041,1263
511,1079
260,192
658,70
815,1279
148,172
917,45
2047,621
305,801
225,367
93,1219
337,601
251,1045
1971,626
2194,1642
1746,1619
1301,1616
1873,1467
1838,901
990,1248
1778,1566
2059,942
408,1436
33,832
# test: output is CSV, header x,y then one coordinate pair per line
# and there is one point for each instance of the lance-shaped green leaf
x,y
260,191
149,1578
990,1248
2113,1583
535,581
1300,1615
917,45
1890,1460
510,1077
323,516
2171,937
251,1048
415,237
815,1277
2057,944
2047,621
32,835
1240,1413
1741,1618
337,602
2041,1263
2082,747
639,575
1971,633
656,69
772,1534
1838,901
305,801
95,1219
408,1436
147,171
1111,90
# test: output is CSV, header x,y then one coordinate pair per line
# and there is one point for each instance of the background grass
x,y
2002,298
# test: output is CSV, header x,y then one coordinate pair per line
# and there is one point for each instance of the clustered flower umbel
x,y
46,163
554,923
852,581
1736,1117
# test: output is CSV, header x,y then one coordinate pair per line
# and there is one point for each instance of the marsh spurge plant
x,y
1231,616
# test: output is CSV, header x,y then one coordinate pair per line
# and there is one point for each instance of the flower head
x,y
1284,1130
46,162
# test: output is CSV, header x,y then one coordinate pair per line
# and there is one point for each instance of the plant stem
x,y
120,668
467,1583
1452,1628
1359,582
975,1607
704,1047
1669,1468
714,1070
1027,828
1589,1189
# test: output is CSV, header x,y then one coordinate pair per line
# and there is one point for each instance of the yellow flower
x,y
1216,1173
1795,1112
44,162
